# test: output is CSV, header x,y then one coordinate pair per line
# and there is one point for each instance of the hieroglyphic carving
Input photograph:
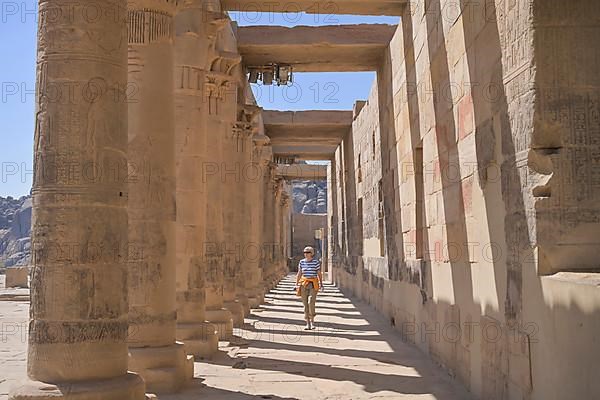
x,y
149,26
79,232
566,138
190,78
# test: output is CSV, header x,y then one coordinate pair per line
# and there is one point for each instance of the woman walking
x,y
308,282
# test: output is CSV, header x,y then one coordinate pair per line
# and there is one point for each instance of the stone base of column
x,y
267,287
164,369
237,312
256,296
255,300
243,300
222,320
200,339
126,387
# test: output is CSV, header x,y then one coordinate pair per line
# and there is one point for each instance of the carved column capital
x,y
273,169
261,140
216,84
225,62
246,118
285,199
262,152
248,112
218,20
276,184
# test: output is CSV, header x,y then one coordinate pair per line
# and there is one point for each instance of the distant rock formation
x,y
15,231
310,197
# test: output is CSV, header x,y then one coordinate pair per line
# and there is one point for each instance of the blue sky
x,y
18,26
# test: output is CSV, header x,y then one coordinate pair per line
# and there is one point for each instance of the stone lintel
x,y
302,171
305,152
348,7
309,118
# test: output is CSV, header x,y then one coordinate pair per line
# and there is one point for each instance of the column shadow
x,y
261,354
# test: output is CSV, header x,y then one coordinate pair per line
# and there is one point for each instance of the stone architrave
x,y
154,352
78,318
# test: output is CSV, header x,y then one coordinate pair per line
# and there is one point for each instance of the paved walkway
x,y
353,354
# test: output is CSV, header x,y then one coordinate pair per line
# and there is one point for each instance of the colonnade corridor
x,y
458,198
354,353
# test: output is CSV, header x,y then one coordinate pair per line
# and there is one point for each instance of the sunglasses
x,y
307,252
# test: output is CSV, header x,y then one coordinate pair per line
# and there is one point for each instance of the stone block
x,y
17,277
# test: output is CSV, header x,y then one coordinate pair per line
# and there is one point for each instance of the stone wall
x,y
486,155
303,231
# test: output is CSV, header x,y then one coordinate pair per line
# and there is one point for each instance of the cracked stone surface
x,y
353,354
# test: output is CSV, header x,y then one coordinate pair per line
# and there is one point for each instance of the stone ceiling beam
x,y
307,128
312,135
304,153
335,48
348,7
308,118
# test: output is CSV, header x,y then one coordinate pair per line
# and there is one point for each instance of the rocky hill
x,y
310,197
15,229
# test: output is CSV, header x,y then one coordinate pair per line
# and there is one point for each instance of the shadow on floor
x,y
277,344
198,390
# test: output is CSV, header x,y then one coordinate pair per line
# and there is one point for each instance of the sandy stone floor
x,y
13,336
353,354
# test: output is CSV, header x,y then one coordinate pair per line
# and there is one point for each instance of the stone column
x,y
273,227
285,233
224,83
154,353
217,86
275,217
249,178
278,231
235,299
261,156
195,32
267,226
78,318
332,222
213,253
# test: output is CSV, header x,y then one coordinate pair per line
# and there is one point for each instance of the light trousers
x,y
309,299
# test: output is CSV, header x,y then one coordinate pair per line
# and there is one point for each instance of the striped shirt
x,y
309,268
